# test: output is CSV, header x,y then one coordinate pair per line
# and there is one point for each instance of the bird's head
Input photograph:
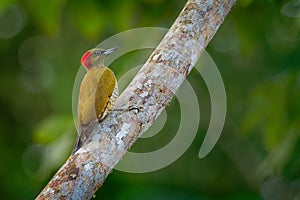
x,y
95,57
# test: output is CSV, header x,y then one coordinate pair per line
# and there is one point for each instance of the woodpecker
x,y
98,92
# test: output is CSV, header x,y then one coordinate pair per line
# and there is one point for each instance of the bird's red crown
x,y
85,60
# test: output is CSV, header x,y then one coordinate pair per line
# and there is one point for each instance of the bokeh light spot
x,y
11,22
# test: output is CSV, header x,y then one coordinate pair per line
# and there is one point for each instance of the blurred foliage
x,y
256,50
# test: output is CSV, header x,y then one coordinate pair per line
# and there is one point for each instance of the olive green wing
x,y
96,89
105,93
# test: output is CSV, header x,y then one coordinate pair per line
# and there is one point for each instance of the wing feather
x,y
95,91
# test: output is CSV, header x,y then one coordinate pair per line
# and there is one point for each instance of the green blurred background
x,y
257,51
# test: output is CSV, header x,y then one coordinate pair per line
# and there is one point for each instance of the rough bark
x,y
146,96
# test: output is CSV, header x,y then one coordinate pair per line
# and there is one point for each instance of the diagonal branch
x,y
146,96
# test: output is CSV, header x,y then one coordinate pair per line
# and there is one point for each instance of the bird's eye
x,y
97,53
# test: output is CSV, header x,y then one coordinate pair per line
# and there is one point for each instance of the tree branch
x,y
146,96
